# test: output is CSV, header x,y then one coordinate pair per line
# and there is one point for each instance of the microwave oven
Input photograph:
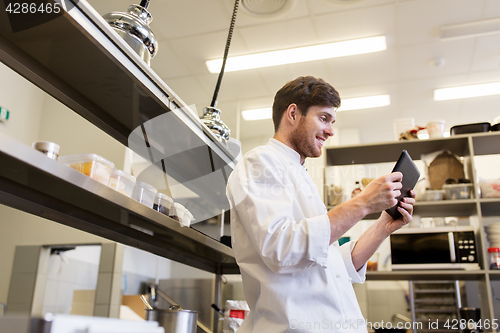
x,y
434,248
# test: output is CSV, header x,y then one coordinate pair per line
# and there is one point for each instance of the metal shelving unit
x,y
466,146
79,60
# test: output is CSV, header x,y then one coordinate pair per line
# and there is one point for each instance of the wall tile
x,y
22,286
103,291
26,259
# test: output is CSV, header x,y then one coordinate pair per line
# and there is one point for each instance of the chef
x,y
296,277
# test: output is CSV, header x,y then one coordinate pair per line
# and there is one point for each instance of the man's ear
x,y
292,114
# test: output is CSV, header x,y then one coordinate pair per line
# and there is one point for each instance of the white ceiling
x,y
193,31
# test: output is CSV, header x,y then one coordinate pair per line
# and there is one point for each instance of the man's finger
x,y
396,176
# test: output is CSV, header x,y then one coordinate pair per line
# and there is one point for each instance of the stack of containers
x,y
122,182
163,204
103,171
92,165
144,193
493,234
182,215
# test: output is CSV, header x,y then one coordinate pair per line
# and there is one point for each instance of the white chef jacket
x,y
293,280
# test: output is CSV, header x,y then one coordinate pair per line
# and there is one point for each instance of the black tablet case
x,y
411,174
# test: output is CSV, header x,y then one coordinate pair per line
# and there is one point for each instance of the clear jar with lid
x,y
494,257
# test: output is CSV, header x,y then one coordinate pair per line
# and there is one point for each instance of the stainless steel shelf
x,y
79,60
444,208
390,151
426,275
490,206
31,182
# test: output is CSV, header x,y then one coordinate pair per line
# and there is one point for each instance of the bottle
x,y
356,191
494,257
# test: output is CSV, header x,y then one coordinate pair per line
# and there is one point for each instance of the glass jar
x,y
494,257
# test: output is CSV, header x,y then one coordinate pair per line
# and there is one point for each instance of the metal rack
x,y
436,302
79,60
467,146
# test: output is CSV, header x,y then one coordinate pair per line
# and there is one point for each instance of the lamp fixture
x,y
476,90
364,102
347,104
471,29
300,54
257,114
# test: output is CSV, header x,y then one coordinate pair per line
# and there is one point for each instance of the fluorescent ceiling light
x,y
364,102
300,54
257,114
347,104
477,90
471,29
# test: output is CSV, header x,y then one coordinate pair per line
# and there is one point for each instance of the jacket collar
x,y
285,151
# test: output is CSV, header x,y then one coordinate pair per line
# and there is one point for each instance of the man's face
x,y
312,130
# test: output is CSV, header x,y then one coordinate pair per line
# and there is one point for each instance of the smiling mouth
x,y
320,140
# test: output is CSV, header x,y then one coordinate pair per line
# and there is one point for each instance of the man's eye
x,y
323,119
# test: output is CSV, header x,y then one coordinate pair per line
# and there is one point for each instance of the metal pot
x,y
174,320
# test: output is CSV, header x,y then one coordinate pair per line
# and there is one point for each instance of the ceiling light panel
x,y
257,114
300,54
364,102
471,29
476,90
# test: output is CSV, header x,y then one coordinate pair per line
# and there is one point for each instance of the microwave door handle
x,y
451,241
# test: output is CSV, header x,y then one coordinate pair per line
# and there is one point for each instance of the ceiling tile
x,y
188,89
365,22
279,35
245,19
417,61
168,65
491,9
318,7
420,21
363,69
188,18
276,77
486,54
236,85
196,50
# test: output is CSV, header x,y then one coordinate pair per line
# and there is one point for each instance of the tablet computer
x,y
410,172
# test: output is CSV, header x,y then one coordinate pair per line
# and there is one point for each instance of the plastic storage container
x,y
457,191
122,182
183,215
432,195
490,188
494,257
92,165
144,193
163,203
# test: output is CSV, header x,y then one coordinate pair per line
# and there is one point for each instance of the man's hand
x,y
369,242
405,208
381,193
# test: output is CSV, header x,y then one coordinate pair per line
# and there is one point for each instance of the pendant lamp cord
x,y
226,52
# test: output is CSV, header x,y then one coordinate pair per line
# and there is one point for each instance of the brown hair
x,y
305,91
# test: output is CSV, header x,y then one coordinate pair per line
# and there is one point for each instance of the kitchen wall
x,y
69,271
37,116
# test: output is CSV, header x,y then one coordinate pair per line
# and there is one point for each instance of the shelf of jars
x,y
77,58
36,184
